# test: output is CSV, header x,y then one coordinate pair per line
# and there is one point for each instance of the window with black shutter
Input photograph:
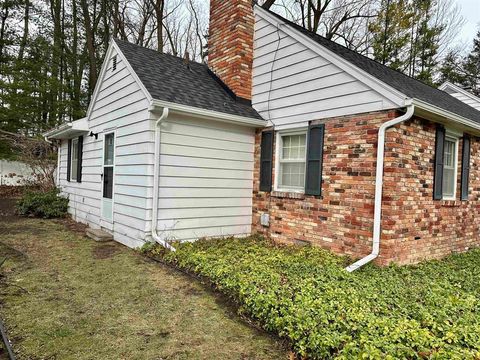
x,y
313,178
266,159
438,168
69,159
79,158
446,164
465,167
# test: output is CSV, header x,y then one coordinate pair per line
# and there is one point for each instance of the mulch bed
x,y
11,191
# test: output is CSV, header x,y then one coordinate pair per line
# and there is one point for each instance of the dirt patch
x,y
11,191
20,230
7,251
72,225
105,251
7,207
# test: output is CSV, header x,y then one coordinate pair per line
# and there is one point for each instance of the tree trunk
x,y
91,50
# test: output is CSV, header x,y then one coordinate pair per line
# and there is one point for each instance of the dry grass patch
x,y
66,297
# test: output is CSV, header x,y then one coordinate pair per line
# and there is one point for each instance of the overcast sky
x,y
471,13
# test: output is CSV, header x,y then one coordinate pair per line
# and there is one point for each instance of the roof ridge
x,y
160,53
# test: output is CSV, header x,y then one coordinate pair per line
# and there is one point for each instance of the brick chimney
x,y
230,44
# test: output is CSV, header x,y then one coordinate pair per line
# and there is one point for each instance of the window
x,y
108,156
450,163
292,156
74,161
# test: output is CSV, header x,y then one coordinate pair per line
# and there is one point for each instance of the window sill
x,y
288,195
451,202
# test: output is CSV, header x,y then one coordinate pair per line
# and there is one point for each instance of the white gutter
x,y
156,180
448,115
377,217
208,114
55,131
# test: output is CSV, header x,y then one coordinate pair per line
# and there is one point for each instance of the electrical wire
x,y
268,104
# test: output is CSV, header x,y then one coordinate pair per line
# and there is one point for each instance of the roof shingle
x,y
168,78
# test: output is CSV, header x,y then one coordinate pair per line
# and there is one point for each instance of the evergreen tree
x,y
451,69
425,42
471,67
390,33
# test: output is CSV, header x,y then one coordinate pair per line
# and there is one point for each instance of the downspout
x,y
156,180
58,166
377,217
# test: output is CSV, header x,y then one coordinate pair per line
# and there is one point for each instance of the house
x,y
461,94
286,134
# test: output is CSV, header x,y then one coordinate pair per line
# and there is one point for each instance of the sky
x,y
470,10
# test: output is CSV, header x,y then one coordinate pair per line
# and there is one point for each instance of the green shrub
x,y
43,204
304,294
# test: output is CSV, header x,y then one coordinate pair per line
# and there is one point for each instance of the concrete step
x,y
98,235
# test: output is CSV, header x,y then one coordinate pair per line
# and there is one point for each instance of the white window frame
x,y
73,151
454,137
278,149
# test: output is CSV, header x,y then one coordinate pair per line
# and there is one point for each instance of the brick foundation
x,y
414,226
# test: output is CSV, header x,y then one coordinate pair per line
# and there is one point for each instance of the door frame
x,y
105,222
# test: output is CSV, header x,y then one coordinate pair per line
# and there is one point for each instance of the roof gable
x,y
392,79
295,82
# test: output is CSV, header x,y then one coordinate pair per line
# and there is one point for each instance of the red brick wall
x,y
342,218
414,226
230,44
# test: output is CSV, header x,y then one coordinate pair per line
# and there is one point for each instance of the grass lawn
x,y
431,310
63,296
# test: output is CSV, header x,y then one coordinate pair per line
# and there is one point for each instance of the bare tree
x,y
38,155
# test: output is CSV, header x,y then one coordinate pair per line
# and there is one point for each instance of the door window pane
x,y
107,182
109,149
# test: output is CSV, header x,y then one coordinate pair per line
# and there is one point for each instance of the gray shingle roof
x,y
167,78
409,86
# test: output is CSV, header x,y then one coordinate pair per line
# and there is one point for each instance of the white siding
x,y
293,84
120,106
469,100
206,178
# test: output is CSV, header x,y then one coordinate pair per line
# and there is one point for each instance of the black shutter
x,y
465,167
69,159
313,175
80,156
266,159
438,170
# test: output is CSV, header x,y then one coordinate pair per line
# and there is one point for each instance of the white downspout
x,y
156,180
377,217
58,164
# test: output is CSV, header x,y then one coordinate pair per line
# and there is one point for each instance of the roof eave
x,y
446,117
456,88
207,114
68,130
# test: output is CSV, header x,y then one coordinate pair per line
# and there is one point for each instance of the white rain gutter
x,y
156,180
377,217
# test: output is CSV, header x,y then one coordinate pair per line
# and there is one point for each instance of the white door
x,y
107,176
